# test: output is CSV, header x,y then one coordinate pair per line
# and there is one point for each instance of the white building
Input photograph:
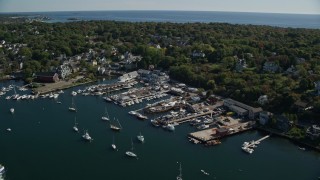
x,y
242,109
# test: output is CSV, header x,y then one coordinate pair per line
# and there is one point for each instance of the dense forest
x,y
228,60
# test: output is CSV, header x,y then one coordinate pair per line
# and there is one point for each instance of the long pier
x,y
253,143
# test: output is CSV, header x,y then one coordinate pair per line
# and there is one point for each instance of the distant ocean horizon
x,y
310,21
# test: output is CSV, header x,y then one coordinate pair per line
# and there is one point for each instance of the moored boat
x,y
140,137
86,136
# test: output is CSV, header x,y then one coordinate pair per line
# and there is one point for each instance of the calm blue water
x,y
280,20
43,146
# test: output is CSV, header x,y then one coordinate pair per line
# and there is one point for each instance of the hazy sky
x,y
274,6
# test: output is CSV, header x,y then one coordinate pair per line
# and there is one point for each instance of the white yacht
x,y
86,136
12,110
132,112
75,127
130,153
106,116
73,93
170,127
73,107
142,117
140,138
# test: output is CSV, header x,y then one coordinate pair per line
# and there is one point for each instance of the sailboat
x,y
106,116
140,138
75,128
73,107
179,177
130,153
86,136
113,145
114,127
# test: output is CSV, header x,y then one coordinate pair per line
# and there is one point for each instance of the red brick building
x,y
47,77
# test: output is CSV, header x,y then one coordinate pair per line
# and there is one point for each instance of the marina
x,y
44,116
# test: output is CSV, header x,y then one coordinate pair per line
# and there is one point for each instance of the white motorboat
x,y
55,96
155,123
142,117
170,127
86,136
107,99
140,138
12,110
73,93
132,112
9,129
131,153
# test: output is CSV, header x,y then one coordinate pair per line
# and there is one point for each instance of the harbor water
x,y
42,145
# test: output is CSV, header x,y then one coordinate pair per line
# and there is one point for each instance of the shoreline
x,y
289,138
52,89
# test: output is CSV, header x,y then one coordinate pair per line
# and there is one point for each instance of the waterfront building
x,y
242,109
47,77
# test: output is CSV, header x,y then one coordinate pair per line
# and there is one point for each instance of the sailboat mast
x,y
131,145
119,123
